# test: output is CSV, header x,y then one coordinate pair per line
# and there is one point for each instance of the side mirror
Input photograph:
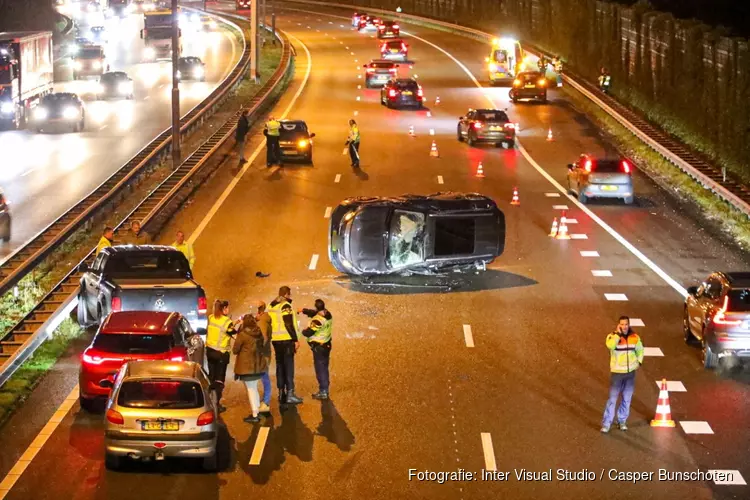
x,y
312,135
692,290
83,268
106,384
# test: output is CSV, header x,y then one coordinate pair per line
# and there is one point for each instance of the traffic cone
x,y
515,200
437,100
562,233
429,115
663,416
434,150
553,231
411,130
480,170
549,135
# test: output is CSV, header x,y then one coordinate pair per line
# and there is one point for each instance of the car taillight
x,y
720,319
90,359
116,304
206,418
114,417
588,165
202,305
403,47
395,26
391,93
477,125
420,93
625,167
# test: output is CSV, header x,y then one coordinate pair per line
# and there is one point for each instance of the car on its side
x,y
378,72
134,335
717,314
395,49
5,219
415,234
59,110
590,177
400,92
191,68
296,141
486,125
160,409
115,84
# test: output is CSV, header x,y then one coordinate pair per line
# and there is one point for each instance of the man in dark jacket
x,y
319,334
135,235
243,126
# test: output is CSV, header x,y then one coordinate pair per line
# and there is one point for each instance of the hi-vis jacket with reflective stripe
x,y
283,320
103,243
217,336
320,330
273,128
626,353
354,133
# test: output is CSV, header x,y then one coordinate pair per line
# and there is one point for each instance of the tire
x,y
82,313
112,462
629,200
710,358
471,140
458,134
582,197
87,404
210,464
510,144
686,332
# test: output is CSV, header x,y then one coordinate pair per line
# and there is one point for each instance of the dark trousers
x,y
217,370
273,150
284,353
321,358
354,153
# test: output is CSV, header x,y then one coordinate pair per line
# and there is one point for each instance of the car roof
x,y
61,96
738,279
405,80
295,122
151,322
162,369
118,249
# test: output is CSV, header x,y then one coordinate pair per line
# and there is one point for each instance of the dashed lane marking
x,y
734,477
589,253
653,351
696,427
637,322
260,445
337,179
440,179
616,297
358,98
672,385
327,215
578,236
602,273
489,452
560,207
351,53
313,262
432,131
356,113
468,337
552,195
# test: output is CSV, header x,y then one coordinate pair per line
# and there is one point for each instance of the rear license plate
x,y
167,425
406,92
394,51
529,86
609,188
494,127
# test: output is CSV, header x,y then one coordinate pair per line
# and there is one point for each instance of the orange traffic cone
x,y
549,135
515,200
480,170
429,115
663,416
562,233
434,150
411,130
553,231
437,100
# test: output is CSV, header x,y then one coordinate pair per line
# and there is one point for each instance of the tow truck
x,y
157,35
506,60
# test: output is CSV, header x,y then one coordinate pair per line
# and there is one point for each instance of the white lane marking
x,y
356,60
733,476
552,195
260,444
359,87
440,179
432,131
215,208
571,221
696,427
672,385
313,262
352,53
602,273
616,297
356,113
103,127
578,236
560,207
327,215
337,179
347,48
358,98
589,253
653,351
468,337
31,451
29,171
489,452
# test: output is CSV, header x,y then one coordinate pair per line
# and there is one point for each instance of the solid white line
x,y
440,179
589,253
337,179
468,337
616,297
327,215
637,322
215,208
313,262
604,273
560,207
260,445
489,452
733,477
672,385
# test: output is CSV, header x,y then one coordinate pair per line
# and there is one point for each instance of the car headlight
x,y
70,113
96,65
198,72
7,108
179,74
150,53
125,87
302,144
40,114
77,65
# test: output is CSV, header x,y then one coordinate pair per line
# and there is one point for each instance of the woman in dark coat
x,y
251,361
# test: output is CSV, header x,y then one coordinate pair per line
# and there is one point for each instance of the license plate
x,y
609,188
394,51
161,425
495,128
529,86
406,92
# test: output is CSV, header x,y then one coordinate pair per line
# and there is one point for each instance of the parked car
x,y
414,234
296,141
134,335
529,85
140,278
160,409
591,177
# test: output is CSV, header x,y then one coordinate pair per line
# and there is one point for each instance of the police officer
x,y
604,80
218,339
558,66
353,142
273,149
184,247
108,236
319,334
284,338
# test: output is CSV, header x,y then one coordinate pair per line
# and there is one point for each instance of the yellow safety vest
x,y
216,337
354,133
278,329
625,355
273,126
323,329
103,243
187,250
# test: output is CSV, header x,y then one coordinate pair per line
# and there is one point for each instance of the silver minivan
x,y
160,409
601,178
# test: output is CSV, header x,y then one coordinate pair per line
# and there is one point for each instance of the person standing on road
x,y
557,63
264,323
273,149
353,143
240,134
108,236
184,247
218,339
135,236
626,356
285,344
319,334
251,362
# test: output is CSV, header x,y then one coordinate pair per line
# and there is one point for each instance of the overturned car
x,y
415,234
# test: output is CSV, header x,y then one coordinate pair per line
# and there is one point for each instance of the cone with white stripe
x,y
562,233
663,416
553,231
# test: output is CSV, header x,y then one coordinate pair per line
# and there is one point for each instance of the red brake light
x,y
91,360
206,418
116,304
588,165
719,317
391,93
403,47
202,305
395,26
477,125
115,417
626,166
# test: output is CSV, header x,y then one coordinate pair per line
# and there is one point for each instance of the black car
x,y
61,109
115,84
389,29
486,125
4,218
295,141
414,234
191,68
401,92
378,72
529,85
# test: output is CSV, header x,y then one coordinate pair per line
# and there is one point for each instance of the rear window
x,y
165,265
393,45
293,127
492,116
406,85
173,394
739,300
454,236
530,77
607,166
382,65
117,343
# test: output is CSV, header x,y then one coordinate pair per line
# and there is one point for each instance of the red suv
x,y
129,336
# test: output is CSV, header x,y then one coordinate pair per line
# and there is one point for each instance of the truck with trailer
x,y
157,35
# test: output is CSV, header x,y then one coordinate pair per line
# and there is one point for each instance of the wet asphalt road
x,y
407,392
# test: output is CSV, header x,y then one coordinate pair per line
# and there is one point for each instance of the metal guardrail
x,y
37,325
27,257
724,185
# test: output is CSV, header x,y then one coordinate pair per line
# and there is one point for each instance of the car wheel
x,y
629,200
470,139
582,197
709,357
210,464
82,312
689,337
458,134
112,462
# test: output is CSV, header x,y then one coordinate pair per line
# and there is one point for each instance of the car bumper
x,y
89,385
609,191
405,102
530,93
501,77
494,136
377,81
56,123
118,444
293,152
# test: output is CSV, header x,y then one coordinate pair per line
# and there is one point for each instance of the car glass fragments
x,y
454,236
406,238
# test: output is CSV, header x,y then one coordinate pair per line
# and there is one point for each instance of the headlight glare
x,y
40,114
70,113
7,108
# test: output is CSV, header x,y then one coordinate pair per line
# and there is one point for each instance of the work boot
x,y
264,408
251,419
282,398
320,395
292,399
604,429
623,426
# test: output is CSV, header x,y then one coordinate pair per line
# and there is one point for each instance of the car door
x,y
90,282
706,303
466,122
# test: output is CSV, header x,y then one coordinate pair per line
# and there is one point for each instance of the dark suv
x,y
717,313
529,85
486,125
402,92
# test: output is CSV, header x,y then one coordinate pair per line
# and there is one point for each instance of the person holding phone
x,y
625,357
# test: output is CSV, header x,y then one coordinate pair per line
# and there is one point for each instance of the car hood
x,y
367,236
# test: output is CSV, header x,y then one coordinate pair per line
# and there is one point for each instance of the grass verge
x,y
733,222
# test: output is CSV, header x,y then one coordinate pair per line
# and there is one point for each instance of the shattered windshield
x,y
406,242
